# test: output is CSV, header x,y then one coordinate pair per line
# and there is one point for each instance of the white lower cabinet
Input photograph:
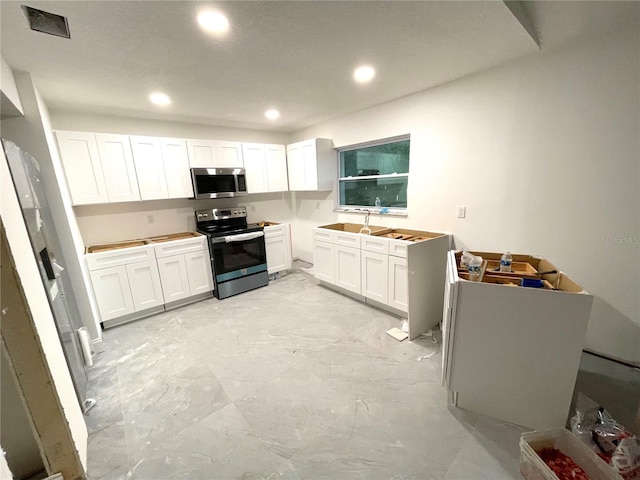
x,y
398,293
277,241
403,276
375,276
144,281
125,282
347,269
199,272
185,268
173,274
112,291
133,282
323,261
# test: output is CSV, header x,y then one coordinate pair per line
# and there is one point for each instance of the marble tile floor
x,y
291,381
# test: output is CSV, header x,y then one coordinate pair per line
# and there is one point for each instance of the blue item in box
x,y
532,282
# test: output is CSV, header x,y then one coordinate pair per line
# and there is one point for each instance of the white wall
x,y
10,97
36,297
122,221
544,153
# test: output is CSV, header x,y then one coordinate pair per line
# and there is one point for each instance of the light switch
x,y
462,211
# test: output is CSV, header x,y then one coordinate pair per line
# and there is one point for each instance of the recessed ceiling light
x,y
272,114
160,99
213,22
364,74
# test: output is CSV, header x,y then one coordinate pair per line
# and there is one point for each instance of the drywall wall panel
x,y
31,282
543,152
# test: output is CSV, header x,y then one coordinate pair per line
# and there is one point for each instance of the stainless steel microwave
x,y
218,182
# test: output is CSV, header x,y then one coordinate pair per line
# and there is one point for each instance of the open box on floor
x,y
532,467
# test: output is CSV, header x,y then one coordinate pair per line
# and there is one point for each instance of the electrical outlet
x,y
462,211
318,206
253,208
150,219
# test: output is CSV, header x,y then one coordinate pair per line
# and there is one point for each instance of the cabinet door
x,y
144,281
310,165
176,167
375,276
118,168
173,277
295,167
323,261
255,167
199,272
398,286
276,167
347,269
113,295
82,167
147,158
277,253
229,154
202,153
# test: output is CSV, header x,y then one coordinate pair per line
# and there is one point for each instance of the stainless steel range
x,y
238,253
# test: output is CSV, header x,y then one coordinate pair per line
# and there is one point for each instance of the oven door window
x,y
232,256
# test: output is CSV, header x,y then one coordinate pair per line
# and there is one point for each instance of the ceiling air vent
x,y
46,22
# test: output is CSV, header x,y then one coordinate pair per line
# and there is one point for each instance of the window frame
x,y
372,208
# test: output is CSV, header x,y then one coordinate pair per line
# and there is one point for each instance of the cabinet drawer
x,y
398,248
275,230
347,239
176,247
122,256
374,244
323,235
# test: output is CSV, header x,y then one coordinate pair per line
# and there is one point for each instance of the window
x,y
375,174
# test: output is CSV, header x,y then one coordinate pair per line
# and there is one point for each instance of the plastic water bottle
x,y
474,267
505,262
378,203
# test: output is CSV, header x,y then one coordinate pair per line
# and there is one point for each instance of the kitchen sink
x,y
353,227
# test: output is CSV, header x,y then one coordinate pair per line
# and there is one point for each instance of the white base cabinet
x,y
375,276
133,282
185,268
125,282
403,276
513,352
347,268
277,239
398,288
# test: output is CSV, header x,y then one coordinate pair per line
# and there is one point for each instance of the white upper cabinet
x,y
118,168
229,154
176,167
266,167
147,157
276,165
202,153
255,167
312,165
212,153
82,167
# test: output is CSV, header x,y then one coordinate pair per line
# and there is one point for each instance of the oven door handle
x,y
240,237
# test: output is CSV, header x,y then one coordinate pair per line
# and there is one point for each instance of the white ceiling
x,y
295,56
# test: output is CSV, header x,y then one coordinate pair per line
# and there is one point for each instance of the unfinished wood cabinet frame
x,y
34,380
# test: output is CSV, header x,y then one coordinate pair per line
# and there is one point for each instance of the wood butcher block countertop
x,y
141,241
